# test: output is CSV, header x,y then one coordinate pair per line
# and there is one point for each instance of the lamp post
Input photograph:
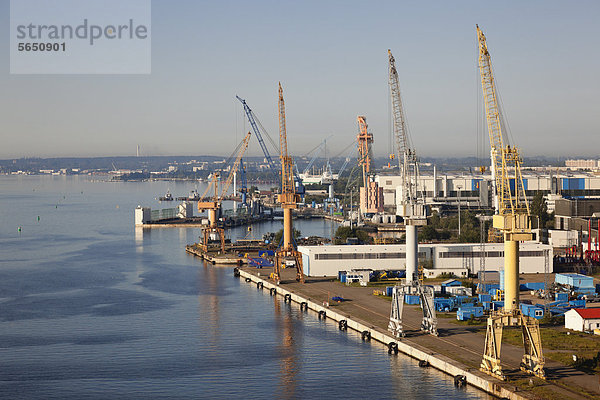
x,y
459,187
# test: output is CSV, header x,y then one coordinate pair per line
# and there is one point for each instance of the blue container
x,y
443,305
577,303
585,290
532,311
561,296
497,305
575,280
389,290
342,276
487,305
485,298
411,299
535,286
464,314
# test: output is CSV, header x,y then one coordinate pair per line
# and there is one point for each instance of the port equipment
x,y
426,297
255,123
513,220
288,198
252,119
214,205
412,208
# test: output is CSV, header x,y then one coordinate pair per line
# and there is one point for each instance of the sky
x,y
331,59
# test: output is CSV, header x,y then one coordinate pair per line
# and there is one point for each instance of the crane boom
x,y
410,205
261,142
287,174
509,192
236,165
288,199
400,129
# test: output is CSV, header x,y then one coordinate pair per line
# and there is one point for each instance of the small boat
x,y
166,197
193,196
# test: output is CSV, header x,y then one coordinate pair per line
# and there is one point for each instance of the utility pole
x,y
459,188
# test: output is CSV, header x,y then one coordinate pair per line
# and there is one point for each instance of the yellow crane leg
x,y
212,217
287,228
511,275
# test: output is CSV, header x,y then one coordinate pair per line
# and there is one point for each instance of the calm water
x,y
92,308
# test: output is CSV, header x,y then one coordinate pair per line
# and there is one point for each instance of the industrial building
x,y
474,190
583,319
459,259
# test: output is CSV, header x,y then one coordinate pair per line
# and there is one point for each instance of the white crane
x,y
411,207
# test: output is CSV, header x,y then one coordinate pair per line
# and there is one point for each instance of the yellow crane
x,y
513,220
214,205
288,198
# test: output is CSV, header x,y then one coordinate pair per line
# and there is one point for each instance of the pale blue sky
x,y
331,57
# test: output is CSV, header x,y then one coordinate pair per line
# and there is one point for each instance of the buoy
x,y
38,217
322,314
19,229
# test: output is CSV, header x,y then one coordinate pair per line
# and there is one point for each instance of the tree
x,y
540,209
344,232
428,232
279,235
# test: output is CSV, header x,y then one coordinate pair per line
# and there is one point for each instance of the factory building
x,y
371,201
460,259
474,190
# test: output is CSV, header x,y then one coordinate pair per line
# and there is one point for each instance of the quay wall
x,y
438,361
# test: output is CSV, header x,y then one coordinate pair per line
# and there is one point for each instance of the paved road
x,y
461,343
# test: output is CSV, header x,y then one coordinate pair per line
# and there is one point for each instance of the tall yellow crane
x,y
288,198
513,220
214,205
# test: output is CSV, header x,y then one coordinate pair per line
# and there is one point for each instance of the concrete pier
x,y
438,361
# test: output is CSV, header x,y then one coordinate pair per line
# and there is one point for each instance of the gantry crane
x,y
513,220
214,205
412,208
287,252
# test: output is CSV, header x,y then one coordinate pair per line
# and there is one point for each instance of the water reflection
x,y
289,361
210,276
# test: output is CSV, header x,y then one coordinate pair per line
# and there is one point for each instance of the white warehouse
x,y
441,257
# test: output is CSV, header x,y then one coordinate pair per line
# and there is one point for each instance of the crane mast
x,y
288,198
513,220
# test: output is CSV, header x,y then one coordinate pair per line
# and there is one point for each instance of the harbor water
x,y
91,307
